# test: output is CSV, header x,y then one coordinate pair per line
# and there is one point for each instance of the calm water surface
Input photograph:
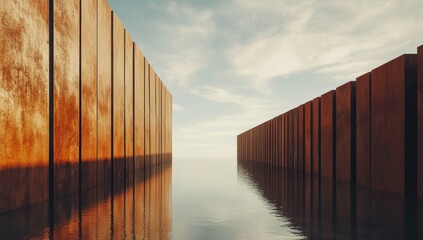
x,y
218,199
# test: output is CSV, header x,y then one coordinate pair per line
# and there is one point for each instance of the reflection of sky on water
x,y
211,202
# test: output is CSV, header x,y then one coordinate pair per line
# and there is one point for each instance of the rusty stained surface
x,y
284,141
279,133
66,97
315,149
388,121
282,133
24,84
88,93
170,117
139,86
295,138
153,118
104,107
129,106
165,122
158,118
290,145
301,138
118,97
327,128
420,121
147,146
363,147
345,132
308,134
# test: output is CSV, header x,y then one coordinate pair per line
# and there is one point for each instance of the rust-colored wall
x,y
140,108
301,138
147,128
391,123
89,75
118,82
420,122
66,96
104,105
24,103
67,105
345,132
129,106
279,143
283,134
153,117
308,137
295,138
315,150
158,118
327,134
363,129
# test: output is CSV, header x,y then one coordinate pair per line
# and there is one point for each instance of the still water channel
x,y
218,199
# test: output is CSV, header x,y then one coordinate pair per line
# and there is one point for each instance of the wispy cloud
x,y
310,39
177,108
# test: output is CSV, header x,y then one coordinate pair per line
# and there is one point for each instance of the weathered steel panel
x,y
118,92
159,118
279,133
289,140
393,121
171,125
104,106
316,144
420,121
308,137
140,110
363,130
147,137
345,132
153,117
301,138
283,141
129,106
24,105
327,134
66,96
88,93
295,138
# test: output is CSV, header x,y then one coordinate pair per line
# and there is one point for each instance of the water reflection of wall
x,y
142,209
324,210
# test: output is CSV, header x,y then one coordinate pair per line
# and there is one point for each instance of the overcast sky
x,y
232,64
